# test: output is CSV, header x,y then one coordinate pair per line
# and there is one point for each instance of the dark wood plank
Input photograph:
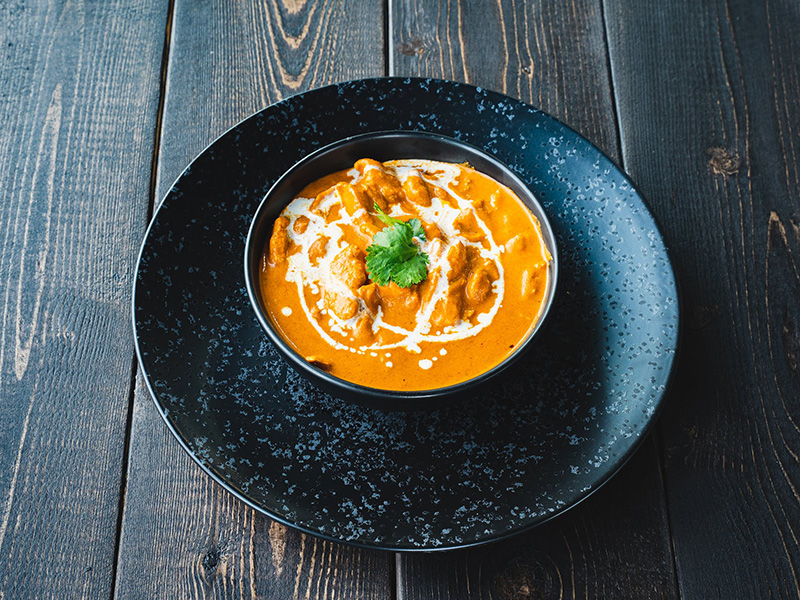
x,y
553,55
185,537
612,545
709,104
182,535
78,104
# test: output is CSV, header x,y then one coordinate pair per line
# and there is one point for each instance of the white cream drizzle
x,y
305,275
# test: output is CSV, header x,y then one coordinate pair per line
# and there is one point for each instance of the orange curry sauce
x,y
487,275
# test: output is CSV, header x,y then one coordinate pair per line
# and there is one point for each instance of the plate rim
x,y
581,496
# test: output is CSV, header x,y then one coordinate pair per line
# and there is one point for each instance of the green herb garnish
x,y
393,256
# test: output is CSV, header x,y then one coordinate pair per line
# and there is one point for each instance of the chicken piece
x,y
530,283
342,305
319,363
435,249
444,196
387,185
300,224
479,284
479,204
353,198
491,269
396,297
417,190
316,206
279,241
374,196
518,243
334,212
432,231
429,286
467,226
448,309
363,332
446,313
317,249
369,227
348,266
457,259
367,163
327,204
369,294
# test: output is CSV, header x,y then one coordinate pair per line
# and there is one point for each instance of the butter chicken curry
x,y
405,275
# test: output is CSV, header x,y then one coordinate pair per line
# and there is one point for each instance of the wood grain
x,y
75,162
231,59
182,535
185,537
552,54
709,104
610,546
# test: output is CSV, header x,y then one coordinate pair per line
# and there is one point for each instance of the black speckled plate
x,y
556,427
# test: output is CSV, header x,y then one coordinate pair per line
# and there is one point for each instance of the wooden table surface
x,y
103,103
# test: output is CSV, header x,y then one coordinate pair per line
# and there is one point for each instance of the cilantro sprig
x,y
393,256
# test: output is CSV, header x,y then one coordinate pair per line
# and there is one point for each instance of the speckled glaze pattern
x,y
553,428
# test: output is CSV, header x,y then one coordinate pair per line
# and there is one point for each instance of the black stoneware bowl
x,y
383,146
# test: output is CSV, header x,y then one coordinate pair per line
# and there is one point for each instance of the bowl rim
x,y
252,282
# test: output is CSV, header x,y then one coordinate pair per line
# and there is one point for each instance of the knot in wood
x,y
211,559
411,48
723,162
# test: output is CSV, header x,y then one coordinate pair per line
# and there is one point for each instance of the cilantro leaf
x,y
416,229
393,256
414,270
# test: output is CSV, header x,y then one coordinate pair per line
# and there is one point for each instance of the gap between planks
x,y
396,585
656,437
123,489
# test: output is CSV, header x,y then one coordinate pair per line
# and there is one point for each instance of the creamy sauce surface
x,y
487,275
